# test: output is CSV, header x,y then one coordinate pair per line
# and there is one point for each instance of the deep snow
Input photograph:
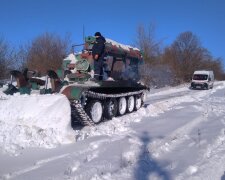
x,y
178,134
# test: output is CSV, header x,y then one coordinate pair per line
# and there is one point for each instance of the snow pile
x,y
34,121
178,134
71,57
117,126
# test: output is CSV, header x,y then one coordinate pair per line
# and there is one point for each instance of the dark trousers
x,y
98,68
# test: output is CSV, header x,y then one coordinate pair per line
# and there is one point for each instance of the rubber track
x,y
79,113
104,96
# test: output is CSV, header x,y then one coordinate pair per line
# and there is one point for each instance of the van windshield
x,y
200,77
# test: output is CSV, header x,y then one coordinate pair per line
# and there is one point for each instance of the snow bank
x,y
34,121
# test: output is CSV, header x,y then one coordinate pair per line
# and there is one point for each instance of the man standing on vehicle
x,y
98,55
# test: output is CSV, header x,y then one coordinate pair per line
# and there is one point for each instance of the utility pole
x,y
83,33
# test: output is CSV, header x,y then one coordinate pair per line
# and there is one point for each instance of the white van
x,y
202,79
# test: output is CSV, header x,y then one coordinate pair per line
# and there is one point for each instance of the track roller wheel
x,y
94,110
110,108
130,104
137,102
122,106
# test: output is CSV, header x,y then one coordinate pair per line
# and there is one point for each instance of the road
x,y
178,134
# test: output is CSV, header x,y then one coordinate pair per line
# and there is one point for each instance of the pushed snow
x,y
192,169
178,134
34,121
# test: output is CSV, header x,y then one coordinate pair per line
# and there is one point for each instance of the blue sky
x,y
23,20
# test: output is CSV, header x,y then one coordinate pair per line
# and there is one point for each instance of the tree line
x,y
175,63
43,53
170,65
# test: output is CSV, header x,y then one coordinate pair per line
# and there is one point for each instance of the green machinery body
x,y
121,93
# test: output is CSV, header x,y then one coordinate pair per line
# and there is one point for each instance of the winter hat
x,y
98,34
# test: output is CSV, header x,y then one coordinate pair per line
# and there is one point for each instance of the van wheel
x,y
206,86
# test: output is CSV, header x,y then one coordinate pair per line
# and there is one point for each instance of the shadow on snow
x,y
223,177
146,165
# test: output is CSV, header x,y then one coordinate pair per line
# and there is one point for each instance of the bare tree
x,y
47,52
216,65
153,72
146,42
185,55
6,59
21,57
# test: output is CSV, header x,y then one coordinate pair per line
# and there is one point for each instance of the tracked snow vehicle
x,y
93,101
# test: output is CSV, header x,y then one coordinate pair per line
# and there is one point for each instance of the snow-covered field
x,y
178,134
